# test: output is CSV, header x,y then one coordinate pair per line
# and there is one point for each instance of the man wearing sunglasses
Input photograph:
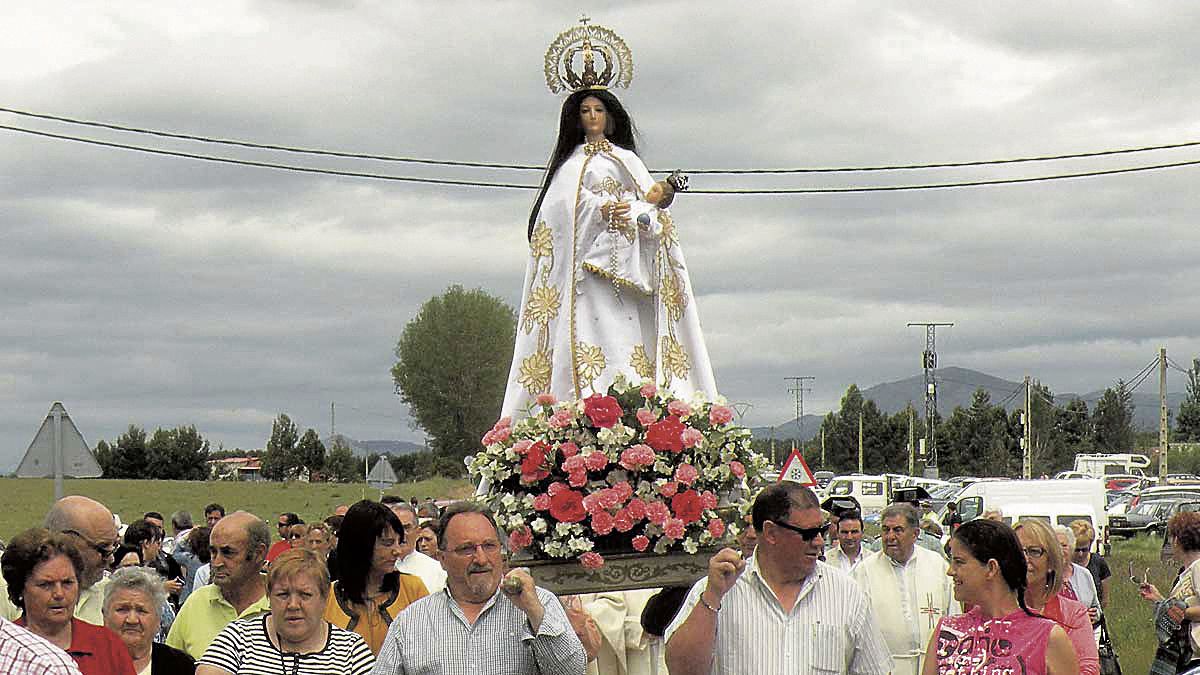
x,y
781,611
91,524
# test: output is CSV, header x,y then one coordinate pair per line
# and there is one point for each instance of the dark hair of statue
x,y
990,540
620,131
361,526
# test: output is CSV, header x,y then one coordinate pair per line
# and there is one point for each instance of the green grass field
x,y
23,501
1129,616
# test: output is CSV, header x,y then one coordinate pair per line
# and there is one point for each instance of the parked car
x,y
1150,517
1167,548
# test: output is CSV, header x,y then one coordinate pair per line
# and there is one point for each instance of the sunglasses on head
x,y
807,533
105,550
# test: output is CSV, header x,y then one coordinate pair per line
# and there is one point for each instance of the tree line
x,y
984,438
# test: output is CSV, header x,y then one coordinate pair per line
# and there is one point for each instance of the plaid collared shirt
x,y
433,637
23,653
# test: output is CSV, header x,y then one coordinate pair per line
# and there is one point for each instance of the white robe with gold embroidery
x,y
600,300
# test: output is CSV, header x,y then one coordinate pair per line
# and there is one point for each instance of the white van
x,y
872,492
1057,502
1101,465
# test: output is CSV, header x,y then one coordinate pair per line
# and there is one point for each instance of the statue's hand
x,y
614,212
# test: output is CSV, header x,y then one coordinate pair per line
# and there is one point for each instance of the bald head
x,y
247,527
92,523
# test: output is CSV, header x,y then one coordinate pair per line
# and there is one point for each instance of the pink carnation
x,y
709,500
602,523
556,488
657,512
691,437
646,417
648,390
679,408
737,468
686,474
520,538
636,509
674,528
591,503
542,502
501,434
623,521
522,446
503,423
637,457
596,461
609,498
575,464
561,419
640,543
623,491
489,437
716,528
568,449
720,414
668,489
591,560
577,479
546,399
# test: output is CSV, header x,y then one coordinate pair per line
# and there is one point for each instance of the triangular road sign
x,y
796,470
381,476
77,459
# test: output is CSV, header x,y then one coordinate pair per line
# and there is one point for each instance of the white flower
x,y
508,500
580,544
563,529
538,525
690,546
605,436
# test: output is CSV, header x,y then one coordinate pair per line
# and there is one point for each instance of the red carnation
x,y
596,461
640,543
602,522
591,560
567,507
533,467
556,488
657,512
541,502
623,521
687,506
666,435
636,509
604,411
716,528
568,449
674,528
520,538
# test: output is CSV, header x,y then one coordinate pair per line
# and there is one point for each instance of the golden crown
x,y
583,45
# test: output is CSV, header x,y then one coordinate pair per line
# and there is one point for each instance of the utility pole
x,y
929,364
332,422
774,463
1027,436
1162,415
823,465
799,389
912,444
860,442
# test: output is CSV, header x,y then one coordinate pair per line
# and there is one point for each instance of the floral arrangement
x,y
630,469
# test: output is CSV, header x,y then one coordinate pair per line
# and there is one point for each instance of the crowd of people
x,y
400,587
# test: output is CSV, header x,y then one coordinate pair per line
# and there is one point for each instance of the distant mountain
x,y
956,387
365,448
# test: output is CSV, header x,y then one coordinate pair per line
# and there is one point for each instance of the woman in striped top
x,y
294,638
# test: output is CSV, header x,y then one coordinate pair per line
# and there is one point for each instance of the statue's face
x,y
593,116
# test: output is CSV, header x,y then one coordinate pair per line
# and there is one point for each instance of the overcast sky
x,y
161,291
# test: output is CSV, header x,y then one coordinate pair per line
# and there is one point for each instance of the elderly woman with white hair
x,y
132,600
1078,583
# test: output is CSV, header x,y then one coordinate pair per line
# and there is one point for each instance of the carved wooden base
x,y
621,572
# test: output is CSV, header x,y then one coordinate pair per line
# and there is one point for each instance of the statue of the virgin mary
x,y
606,288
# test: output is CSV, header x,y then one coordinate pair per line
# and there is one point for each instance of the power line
x,y
521,186
536,167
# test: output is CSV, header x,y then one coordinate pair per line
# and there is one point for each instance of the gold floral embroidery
x,y
610,186
589,362
642,365
542,306
541,244
535,372
668,228
674,296
595,148
675,359
616,280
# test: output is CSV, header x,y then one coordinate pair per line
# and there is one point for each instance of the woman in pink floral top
x,y
999,635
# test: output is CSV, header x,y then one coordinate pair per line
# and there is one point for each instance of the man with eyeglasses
x,y
93,527
412,561
286,521
782,611
906,586
473,625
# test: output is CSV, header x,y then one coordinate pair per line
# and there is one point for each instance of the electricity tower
x,y
799,390
929,365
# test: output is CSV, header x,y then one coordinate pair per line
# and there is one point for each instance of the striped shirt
x,y
243,648
830,629
433,637
23,653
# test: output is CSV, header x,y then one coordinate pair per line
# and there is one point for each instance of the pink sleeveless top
x,y
972,644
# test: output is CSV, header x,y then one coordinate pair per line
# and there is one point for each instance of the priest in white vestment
x,y
907,587
625,649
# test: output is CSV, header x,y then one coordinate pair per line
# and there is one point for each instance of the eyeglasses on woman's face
x,y
1033,552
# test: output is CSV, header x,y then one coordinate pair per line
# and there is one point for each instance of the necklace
x,y
282,654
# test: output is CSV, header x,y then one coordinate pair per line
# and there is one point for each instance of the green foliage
x,y
279,461
175,454
885,438
341,465
452,367
1112,421
310,452
425,465
1187,422
980,440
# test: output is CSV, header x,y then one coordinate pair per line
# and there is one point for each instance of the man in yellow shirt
x,y
238,545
